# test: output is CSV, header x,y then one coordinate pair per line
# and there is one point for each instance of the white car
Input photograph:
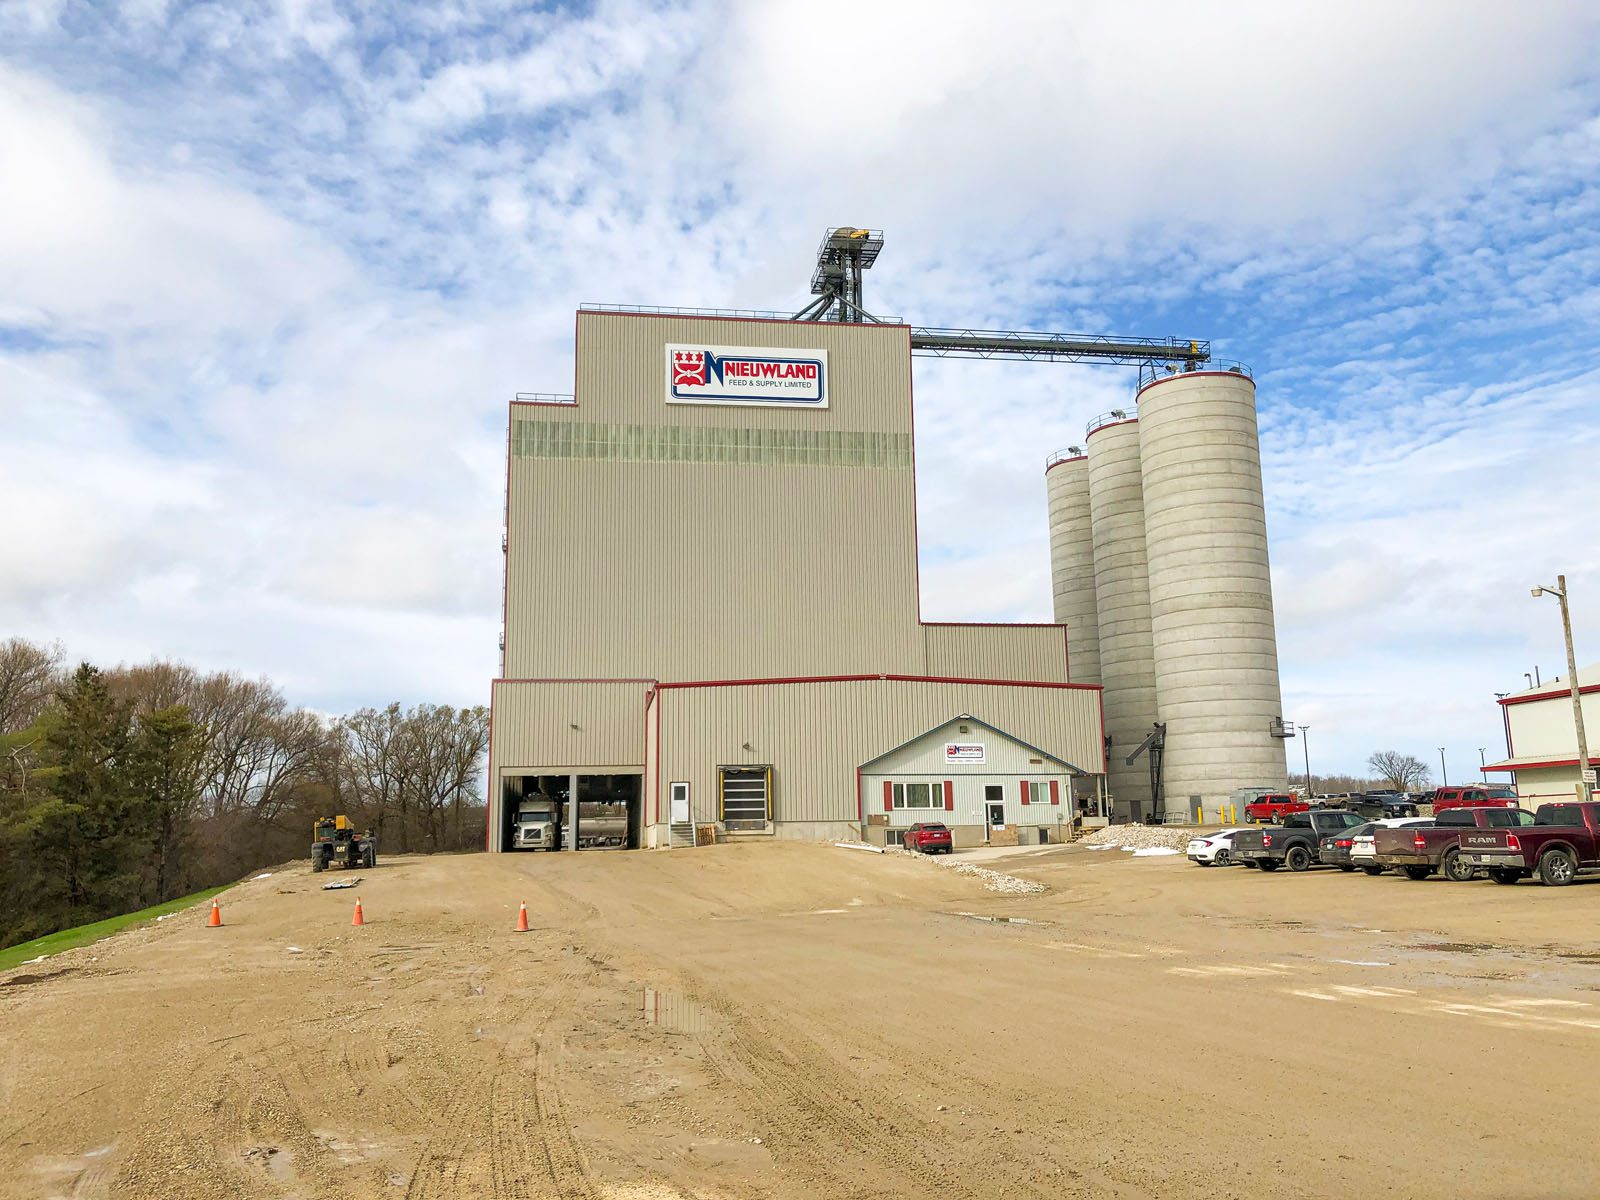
x,y
1363,851
1213,849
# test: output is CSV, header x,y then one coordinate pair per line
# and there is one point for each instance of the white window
x,y
918,795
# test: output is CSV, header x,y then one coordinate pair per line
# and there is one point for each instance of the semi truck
x,y
542,823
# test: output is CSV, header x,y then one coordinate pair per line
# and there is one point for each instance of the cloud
x,y
270,270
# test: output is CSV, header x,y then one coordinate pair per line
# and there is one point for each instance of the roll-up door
x,y
745,797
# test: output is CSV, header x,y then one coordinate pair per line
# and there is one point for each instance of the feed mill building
x,y
711,605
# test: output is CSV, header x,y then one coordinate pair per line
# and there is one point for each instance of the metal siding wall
x,y
686,572
1545,729
533,724
706,571
816,734
997,652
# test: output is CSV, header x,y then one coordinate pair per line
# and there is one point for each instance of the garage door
x,y
746,797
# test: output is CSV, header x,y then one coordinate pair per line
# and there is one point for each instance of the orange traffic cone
x,y
522,918
216,916
358,919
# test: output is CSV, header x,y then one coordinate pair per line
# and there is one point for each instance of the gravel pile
x,y
993,881
1141,837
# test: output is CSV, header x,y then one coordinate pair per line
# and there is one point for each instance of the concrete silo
x,y
1122,599
1216,656
1066,481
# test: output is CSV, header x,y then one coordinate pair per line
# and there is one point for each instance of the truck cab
x,y
536,826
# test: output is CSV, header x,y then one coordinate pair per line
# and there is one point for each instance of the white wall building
x,y
1542,740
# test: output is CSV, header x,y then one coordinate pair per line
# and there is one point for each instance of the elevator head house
x,y
711,608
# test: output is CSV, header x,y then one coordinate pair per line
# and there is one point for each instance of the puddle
x,y
669,1010
1455,947
276,1161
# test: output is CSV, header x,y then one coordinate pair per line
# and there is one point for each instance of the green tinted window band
x,y
600,442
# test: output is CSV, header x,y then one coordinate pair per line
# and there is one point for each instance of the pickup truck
x,y
1270,807
1294,843
1563,840
1420,850
1482,795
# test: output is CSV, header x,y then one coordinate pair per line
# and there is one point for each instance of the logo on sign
x,y
963,752
689,368
747,375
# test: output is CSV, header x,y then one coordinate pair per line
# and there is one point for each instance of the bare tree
x,y
29,676
1402,772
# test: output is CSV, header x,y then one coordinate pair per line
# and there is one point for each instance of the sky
x,y
270,271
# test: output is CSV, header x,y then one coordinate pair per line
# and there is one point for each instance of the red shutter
x,y
1055,791
949,796
888,796
1024,791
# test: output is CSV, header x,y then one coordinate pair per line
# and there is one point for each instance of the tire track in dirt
x,y
803,1092
501,1090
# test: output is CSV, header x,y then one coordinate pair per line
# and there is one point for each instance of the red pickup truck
x,y
1420,850
1563,840
1474,795
1273,807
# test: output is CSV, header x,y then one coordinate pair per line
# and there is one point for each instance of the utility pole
x,y
1560,591
1306,746
1444,772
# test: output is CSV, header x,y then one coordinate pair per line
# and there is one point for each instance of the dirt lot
x,y
803,1021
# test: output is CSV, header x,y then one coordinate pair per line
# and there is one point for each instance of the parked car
x,y
1213,849
1295,843
1363,850
928,837
1563,840
1273,806
1334,849
1435,846
1474,795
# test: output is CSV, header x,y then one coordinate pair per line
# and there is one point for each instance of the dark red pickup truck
x,y
1420,850
1563,840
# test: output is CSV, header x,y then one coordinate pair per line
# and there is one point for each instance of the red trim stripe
x,y
949,796
1024,791
1055,791
888,796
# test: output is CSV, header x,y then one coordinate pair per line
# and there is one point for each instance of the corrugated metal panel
x,y
997,652
682,572
815,735
621,364
701,570
534,724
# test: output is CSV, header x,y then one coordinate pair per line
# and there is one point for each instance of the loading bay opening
x,y
538,812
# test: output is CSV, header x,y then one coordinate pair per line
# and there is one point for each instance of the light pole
x,y
1560,592
1306,746
1505,719
1482,773
1444,774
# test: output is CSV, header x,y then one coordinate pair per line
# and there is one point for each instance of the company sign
x,y
963,752
747,375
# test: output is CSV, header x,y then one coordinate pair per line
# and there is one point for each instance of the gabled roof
x,y
1055,758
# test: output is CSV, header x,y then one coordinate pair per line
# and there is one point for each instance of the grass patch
x,y
68,939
